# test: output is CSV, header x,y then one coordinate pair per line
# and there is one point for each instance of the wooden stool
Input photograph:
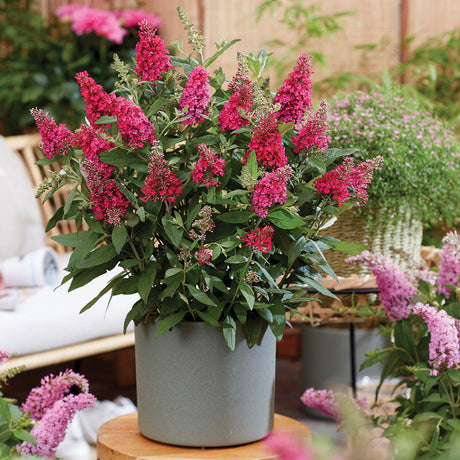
x,y
120,439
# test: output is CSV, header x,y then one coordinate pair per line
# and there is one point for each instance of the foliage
x,y
206,203
433,70
421,166
307,21
425,359
39,60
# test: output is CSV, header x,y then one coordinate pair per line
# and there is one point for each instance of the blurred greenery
x,y
38,62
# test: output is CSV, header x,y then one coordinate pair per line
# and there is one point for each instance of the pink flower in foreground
x,y
260,239
49,432
271,189
348,181
56,139
133,17
98,102
152,56
328,402
108,203
52,389
161,182
133,125
449,267
287,446
267,143
196,96
208,166
444,347
295,94
395,287
313,132
229,117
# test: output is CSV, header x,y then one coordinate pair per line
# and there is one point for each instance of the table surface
x,y
119,439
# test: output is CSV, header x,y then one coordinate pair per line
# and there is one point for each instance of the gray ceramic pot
x,y
193,391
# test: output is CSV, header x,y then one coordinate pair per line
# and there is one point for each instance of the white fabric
x,y
50,317
21,227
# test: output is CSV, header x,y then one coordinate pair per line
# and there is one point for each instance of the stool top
x,y
120,439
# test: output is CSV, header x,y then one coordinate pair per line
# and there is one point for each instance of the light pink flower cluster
x,y
328,402
260,239
4,356
134,17
241,100
314,132
395,287
295,94
348,181
267,143
52,389
108,203
109,24
271,189
449,267
196,96
161,182
49,432
208,167
444,346
203,256
56,139
152,56
287,446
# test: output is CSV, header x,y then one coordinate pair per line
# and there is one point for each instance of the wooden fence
x,y
383,22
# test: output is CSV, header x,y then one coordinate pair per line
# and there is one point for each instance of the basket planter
x,y
193,391
397,236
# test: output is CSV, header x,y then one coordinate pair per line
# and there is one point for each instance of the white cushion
x,y
21,227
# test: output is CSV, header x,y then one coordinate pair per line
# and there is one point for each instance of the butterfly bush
x,y
421,154
204,191
424,356
42,420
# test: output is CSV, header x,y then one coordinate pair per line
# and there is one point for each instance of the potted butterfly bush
x,y
208,196
419,185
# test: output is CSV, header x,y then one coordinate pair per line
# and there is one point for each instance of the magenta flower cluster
x,y
196,96
112,25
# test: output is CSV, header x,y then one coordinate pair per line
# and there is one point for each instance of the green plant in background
x,y
307,22
421,167
39,59
433,70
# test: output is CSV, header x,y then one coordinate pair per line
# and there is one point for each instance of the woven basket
x,y
397,236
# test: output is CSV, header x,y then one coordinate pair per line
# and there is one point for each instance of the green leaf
x,y
85,276
284,219
236,217
404,336
70,199
146,280
24,435
241,312
82,249
58,215
119,237
72,239
318,164
252,165
119,157
210,60
169,322
252,330
112,283
278,324
248,294
200,296
238,259
348,247
208,318
173,232
105,119
5,413
133,314
99,256
229,331
311,282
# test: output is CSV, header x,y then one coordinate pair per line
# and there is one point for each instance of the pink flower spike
x,y
203,256
56,139
295,94
229,117
287,446
444,347
152,56
271,189
196,96
267,143
449,267
208,166
314,132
